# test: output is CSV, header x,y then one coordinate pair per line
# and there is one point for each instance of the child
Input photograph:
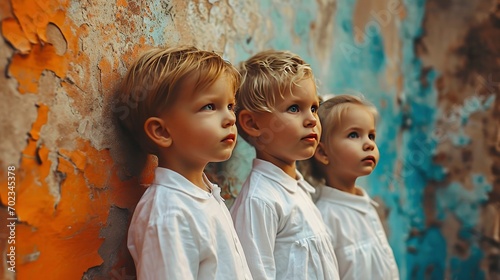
x,y
279,226
347,150
179,105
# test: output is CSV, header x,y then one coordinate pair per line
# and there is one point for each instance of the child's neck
x,y
347,185
288,167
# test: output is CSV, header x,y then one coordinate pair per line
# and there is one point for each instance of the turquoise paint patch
x,y
421,115
469,268
417,160
427,250
304,15
376,59
302,23
464,204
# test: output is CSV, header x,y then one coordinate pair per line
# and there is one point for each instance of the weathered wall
x,y
432,67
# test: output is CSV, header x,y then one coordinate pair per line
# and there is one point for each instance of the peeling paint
x,y
37,60
56,38
14,34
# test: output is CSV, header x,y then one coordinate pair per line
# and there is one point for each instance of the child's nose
x,y
310,120
229,119
368,145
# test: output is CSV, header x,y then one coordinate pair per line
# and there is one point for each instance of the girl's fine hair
x,y
330,113
155,80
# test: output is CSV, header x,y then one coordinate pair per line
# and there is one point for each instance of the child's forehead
x,y
342,113
221,86
356,114
303,89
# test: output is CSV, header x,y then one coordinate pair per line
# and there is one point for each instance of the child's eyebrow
x,y
358,128
300,99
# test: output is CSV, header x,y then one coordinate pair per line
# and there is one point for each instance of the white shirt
x,y
280,228
358,236
179,231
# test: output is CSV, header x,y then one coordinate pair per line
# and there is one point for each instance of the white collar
x,y
361,203
279,176
168,178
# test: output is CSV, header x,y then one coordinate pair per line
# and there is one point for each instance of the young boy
x,y
180,108
279,226
348,150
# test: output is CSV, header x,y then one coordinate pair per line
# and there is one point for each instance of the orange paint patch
x,y
72,226
43,113
28,68
81,206
34,200
59,234
47,252
94,164
32,18
121,3
5,10
13,32
34,15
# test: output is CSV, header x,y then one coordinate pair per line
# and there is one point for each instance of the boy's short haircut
x,y
155,80
265,76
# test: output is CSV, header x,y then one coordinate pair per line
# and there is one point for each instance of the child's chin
x,y
223,157
367,172
306,155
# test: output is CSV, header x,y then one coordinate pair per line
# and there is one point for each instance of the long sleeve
x,y
257,225
168,249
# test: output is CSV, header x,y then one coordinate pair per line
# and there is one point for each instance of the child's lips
x,y
311,137
230,138
370,158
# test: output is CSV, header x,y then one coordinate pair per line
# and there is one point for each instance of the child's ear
x,y
248,123
320,154
157,131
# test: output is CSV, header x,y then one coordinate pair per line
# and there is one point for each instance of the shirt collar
x,y
279,176
361,203
170,179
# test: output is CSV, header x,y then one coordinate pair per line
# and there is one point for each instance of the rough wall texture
x,y
432,67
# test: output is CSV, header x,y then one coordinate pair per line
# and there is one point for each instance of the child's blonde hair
x,y
157,78
265,76
330,113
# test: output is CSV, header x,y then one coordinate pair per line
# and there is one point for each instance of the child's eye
x,y
293,109
208,107
314,109
372,136
230,107
353,135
